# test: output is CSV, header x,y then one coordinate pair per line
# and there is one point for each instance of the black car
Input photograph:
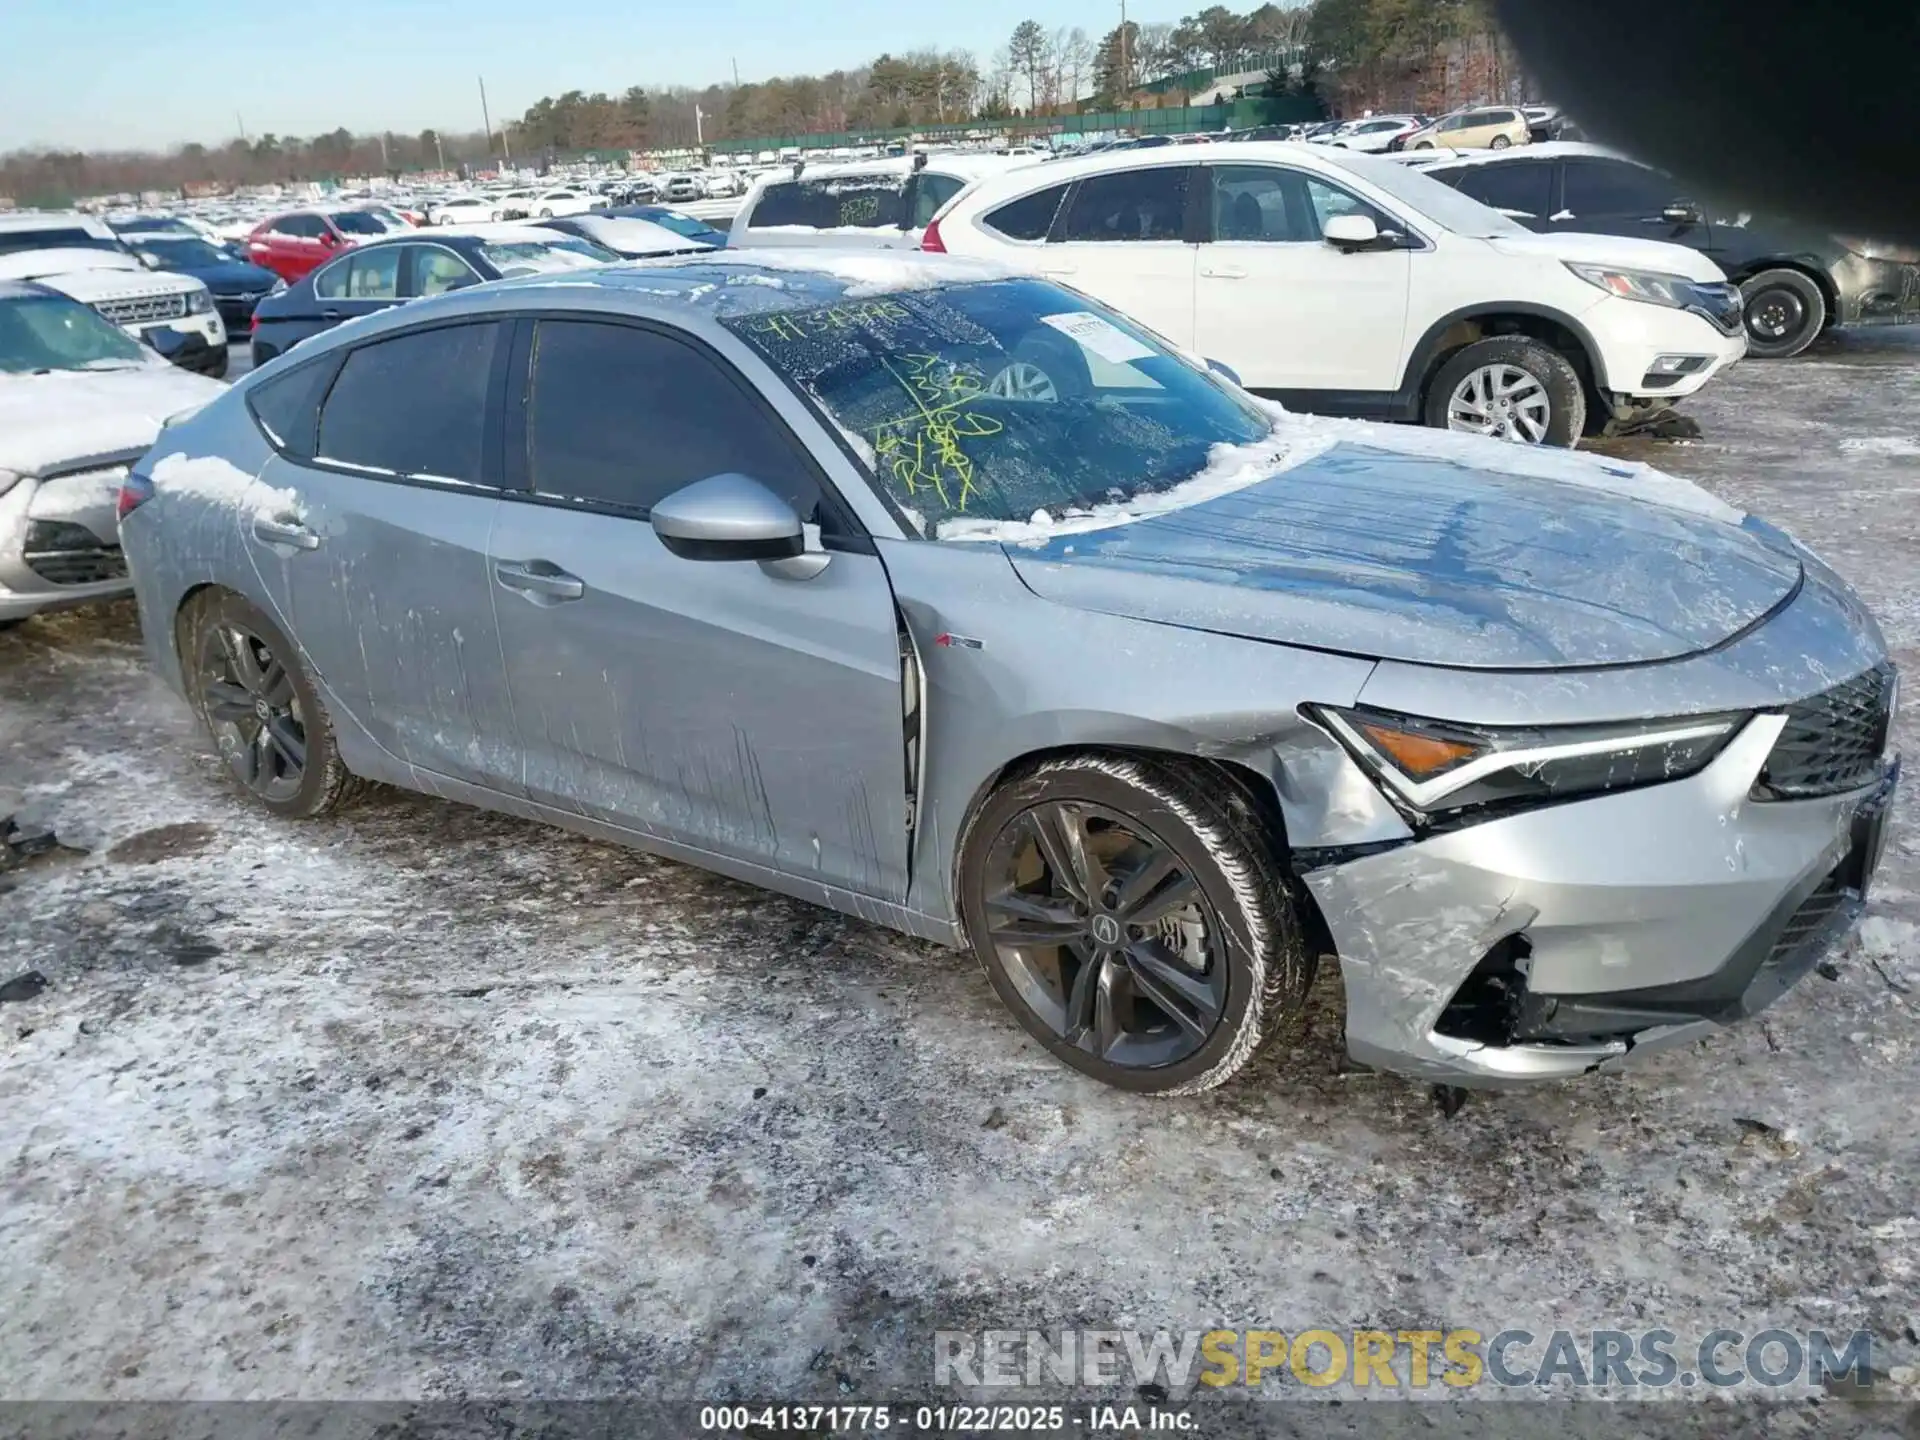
x,y
1795,281
391,271
237,285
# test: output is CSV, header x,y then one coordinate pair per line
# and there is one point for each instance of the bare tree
x,y
1075,62
1029,53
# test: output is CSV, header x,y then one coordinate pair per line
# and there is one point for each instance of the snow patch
x,y
1228,468
1890,445
210,478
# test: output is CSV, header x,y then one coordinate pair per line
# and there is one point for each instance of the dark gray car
x,y
956,602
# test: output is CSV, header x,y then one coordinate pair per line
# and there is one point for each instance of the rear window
x,y
286,406
865,202
1029,217
357,222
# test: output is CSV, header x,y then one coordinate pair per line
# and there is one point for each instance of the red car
x,y
301,240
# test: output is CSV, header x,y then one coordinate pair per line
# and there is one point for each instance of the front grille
x,y
1833,742
1720,304
142,309
1808,921
62,553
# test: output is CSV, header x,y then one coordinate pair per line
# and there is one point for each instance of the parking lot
x,y
421,1101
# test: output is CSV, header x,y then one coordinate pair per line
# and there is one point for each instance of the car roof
x,y
49,219
506,232
1545,150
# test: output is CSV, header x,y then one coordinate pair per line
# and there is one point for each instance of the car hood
x,y
237,277
1623,251
62,420
1396,553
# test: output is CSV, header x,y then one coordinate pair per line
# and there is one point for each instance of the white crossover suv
x,y
1342,283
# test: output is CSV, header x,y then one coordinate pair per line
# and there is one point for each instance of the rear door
x,y
1282,307
702,701
363,282
370,530
1126,237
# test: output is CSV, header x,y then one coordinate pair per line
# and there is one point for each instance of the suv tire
x,y
1057,860
1554,405
1785,313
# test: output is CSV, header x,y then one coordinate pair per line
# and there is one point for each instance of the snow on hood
x,y
1623,251
50,422
1297,439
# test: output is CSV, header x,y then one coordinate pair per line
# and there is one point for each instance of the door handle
x,y
330,315
1223,272
548,583
284,532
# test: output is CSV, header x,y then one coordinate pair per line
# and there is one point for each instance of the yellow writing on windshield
x,y
921,448
806,324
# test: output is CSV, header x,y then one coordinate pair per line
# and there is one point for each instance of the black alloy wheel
x,y
267,721
1105,934
1134,915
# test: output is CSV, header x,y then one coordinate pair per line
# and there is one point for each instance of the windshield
x,y
1426,196
357,222
543,257
995,400
179,252
684,225
50,332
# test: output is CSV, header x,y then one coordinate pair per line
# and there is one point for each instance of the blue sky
x,y
150,74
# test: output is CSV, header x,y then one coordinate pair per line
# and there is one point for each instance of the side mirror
x,y
1225,371
1351,232
328,239
1681,212
735,517
147,258
174,345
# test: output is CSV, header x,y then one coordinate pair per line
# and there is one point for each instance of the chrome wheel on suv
x,y
1509,387
1501,401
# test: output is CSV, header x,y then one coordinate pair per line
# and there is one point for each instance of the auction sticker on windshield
x,y
1099,335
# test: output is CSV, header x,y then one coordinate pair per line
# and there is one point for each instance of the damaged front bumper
x,y
60,543
1593,934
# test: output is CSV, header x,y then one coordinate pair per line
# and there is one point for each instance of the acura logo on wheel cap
x,y
1106,930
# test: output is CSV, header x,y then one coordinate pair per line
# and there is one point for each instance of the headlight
x,y
200,302
1648,285
1432,766
1880,250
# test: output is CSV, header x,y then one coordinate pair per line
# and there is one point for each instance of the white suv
x,y
83,257
1346,284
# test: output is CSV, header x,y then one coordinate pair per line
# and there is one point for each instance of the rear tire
x,y
1499,142
1174,1001
1785,313
1546,403
247,684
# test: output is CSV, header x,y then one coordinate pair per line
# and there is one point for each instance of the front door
x,y
373,544
1283,308
701,701
1125,240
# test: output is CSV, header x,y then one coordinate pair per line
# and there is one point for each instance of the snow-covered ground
x,y
424,1102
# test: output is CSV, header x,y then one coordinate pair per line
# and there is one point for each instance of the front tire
x,y
1785,313
249,688
1134,919
1509,387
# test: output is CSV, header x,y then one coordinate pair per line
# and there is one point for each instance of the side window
x,y
306,227
1327,201
1259,202
1145,204
330,281
413,405
1029,217
1601,187
436,271
1452,122
1522,186
622,416
287,406
930,193
375,274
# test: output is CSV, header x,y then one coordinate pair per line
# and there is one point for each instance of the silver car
x,y
956,602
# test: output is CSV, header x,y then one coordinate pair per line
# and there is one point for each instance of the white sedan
x,y
465,210
565,200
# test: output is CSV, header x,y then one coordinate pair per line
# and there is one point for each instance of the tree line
x,y
1341,55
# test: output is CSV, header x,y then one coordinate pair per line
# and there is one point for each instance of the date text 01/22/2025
x,y
946,1419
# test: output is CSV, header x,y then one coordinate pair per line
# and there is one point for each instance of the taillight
x,y
135,491
931,241
253,323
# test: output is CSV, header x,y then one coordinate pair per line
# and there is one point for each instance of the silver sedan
x,y
956,602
